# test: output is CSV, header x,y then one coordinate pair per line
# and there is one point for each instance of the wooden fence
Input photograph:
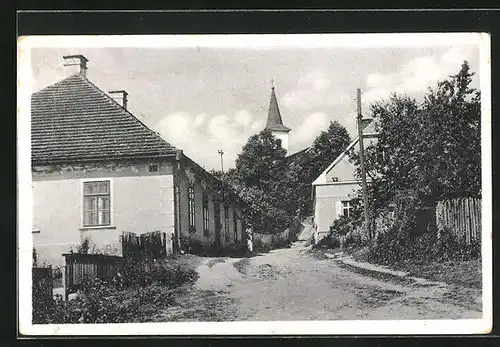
x,y
461,216
144,246
42,282
80,267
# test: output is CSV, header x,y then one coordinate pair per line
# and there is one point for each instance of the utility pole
x,y
363,168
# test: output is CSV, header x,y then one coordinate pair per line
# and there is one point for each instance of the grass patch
x,y
466,273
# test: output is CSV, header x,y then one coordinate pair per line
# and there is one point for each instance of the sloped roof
x,y
274,121
73,120
369,131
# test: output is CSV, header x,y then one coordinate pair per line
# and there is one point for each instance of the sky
x,y
202,99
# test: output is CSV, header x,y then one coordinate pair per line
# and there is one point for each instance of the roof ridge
x,y
127,112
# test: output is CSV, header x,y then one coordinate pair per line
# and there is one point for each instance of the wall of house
x,y
141,201
186,178
327,204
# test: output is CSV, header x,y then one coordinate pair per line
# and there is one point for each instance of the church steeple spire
x,y
275,122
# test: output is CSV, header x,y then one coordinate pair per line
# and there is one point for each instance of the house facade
x,y
337,185
98,171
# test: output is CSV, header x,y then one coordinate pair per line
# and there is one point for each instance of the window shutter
x,y
338,209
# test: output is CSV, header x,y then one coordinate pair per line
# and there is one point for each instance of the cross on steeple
x,y
272,83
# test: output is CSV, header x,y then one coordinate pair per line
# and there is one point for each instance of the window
x,y
235,226
346,208
226,224
153,168
96,203
191,209
206,215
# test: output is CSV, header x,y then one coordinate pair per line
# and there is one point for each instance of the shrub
x,y
353,240
165,272
99,301
260,247
402,242
330,241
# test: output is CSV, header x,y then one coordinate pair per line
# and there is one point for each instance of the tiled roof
x,y
274,121
73,120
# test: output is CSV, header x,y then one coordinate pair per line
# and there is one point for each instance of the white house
x,y
97,171
333,189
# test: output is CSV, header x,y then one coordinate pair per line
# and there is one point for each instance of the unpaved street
x,y
292,284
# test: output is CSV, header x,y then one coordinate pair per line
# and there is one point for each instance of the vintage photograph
x,y
256,178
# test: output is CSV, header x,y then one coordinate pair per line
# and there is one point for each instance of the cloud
x,y
175,126
201,136
243,118
200,119
416,75
310,128
312,89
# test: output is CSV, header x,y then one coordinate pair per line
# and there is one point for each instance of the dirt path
x,y
290,284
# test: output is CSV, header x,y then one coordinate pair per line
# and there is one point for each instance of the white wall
x,y
283,136
327,204
141,201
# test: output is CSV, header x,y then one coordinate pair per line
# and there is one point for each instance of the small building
x,y
338,184
99,171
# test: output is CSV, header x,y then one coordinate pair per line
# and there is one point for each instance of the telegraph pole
x,y
362,163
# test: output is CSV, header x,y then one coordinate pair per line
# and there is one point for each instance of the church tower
x,y
275,123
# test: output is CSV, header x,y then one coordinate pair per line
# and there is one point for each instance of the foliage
x,y
431,147
169,273
330,241
149,288
84,246
260,162
232,249
99,302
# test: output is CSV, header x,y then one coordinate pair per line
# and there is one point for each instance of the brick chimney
x,y
120,96
75,65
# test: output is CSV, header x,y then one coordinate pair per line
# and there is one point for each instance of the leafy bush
x,y
402,242
330,241
100,301
192,245
353,240
260,247
165,272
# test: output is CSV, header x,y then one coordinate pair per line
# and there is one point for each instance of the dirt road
x,y
292,284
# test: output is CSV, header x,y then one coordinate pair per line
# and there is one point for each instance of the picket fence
x,y
461,216
80,267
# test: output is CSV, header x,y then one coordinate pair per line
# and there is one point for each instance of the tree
x,y
431,148
261,161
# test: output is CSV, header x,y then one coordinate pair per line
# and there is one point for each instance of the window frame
x,y
346,206
110,225
191,193
206,214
